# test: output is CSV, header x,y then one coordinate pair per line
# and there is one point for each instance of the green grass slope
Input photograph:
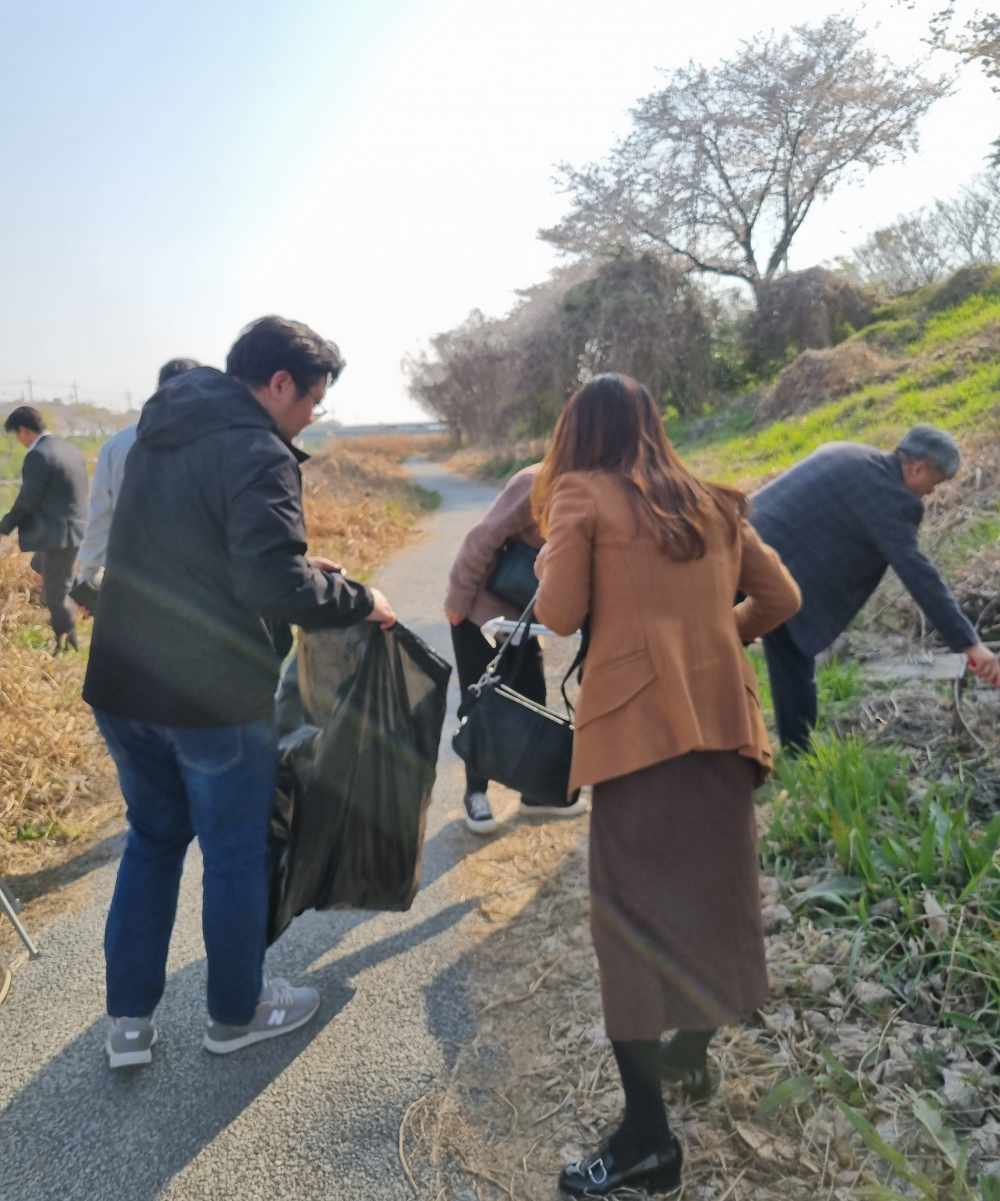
x,y
946,341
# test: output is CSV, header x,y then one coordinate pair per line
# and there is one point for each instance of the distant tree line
x,y
642,316
925,246
719,172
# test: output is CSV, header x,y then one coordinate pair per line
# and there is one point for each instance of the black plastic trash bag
x,y
359,715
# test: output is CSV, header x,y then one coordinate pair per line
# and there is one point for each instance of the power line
x,y
70,393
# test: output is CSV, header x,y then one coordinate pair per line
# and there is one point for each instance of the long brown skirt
x,y
675,902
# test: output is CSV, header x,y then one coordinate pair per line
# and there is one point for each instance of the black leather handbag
x,y
513,578
510,739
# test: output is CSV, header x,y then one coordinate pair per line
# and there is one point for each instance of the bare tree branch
x,y
724,164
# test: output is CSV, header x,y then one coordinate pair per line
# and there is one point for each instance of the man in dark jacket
x,y
206,569
838,519
50,513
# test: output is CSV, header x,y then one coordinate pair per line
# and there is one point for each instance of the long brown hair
x,y
611,424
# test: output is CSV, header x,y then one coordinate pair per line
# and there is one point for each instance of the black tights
x,y
644,1128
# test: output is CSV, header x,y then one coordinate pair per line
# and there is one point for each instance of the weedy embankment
x,y
874,1070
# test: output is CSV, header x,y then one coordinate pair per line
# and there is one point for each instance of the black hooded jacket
x,y
206,564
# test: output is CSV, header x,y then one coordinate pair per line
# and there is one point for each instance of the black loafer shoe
x,y
696,1083
600,1174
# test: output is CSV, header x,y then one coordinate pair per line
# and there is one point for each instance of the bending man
x,y
838,519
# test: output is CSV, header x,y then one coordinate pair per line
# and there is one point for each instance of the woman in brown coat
x,y
669,732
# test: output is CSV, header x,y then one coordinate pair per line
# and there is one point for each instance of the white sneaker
x,y
280,1010
130,1042
574,808
478,814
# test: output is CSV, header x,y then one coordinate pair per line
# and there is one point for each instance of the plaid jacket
x,y
838,519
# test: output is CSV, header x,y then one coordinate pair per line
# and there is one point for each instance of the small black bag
x,y
84,594
513,578
510,739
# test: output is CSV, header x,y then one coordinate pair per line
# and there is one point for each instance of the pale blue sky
x,y
377,169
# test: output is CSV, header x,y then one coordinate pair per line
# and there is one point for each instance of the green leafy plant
x,y
902,867
839,683
953,1184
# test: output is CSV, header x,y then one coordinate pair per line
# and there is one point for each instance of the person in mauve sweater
x,y
469,604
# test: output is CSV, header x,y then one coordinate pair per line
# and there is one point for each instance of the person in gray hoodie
x,y
107,484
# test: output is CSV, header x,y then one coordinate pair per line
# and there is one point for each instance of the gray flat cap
x,y
935,446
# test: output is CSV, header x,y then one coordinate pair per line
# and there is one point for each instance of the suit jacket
x,y
51,509
508,519
838,519
666,672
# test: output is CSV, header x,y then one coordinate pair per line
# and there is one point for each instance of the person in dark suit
x,y
50,513
838,519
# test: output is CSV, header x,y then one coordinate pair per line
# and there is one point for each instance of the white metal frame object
x,y
501,625
9,905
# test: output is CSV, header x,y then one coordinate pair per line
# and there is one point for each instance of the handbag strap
x,y
577,663
490,676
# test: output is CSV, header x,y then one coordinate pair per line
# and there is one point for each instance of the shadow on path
x,y
110,1125
29,885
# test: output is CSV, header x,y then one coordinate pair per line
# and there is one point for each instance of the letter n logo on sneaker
x,y
277,1017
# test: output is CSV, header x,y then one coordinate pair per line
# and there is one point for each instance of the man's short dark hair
x,y
176,367
24,418
272,344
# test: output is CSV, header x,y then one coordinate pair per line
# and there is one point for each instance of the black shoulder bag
x,y
510,739
513,578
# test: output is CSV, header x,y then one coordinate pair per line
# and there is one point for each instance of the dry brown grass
x,y
393,446
56,780
494,463
817,376
359,503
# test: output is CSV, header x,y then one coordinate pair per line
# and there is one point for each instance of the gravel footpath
x,y
313,1114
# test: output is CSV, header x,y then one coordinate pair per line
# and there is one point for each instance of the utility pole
x,y
31,398
76,397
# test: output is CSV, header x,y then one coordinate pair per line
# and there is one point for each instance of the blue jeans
x,y
217,784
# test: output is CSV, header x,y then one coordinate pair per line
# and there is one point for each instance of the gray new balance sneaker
x,y
130,1042
280,1010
